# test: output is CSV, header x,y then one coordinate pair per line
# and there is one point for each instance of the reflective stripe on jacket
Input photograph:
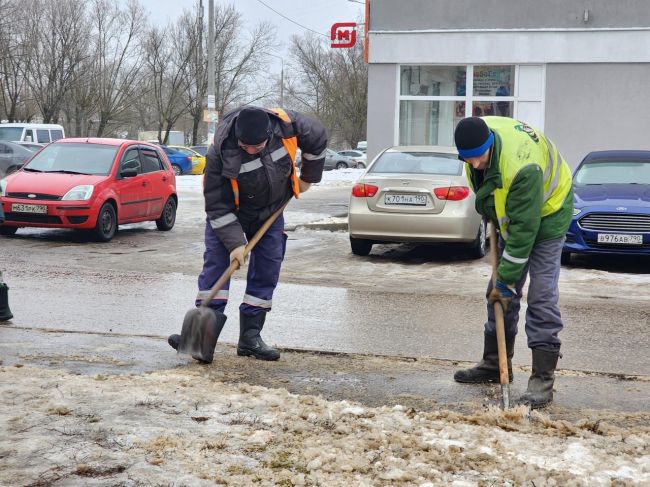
x,y
527,187
242,190
522,145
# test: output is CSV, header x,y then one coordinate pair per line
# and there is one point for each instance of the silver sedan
x,y
415,194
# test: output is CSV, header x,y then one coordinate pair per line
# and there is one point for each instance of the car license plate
x,y
405,199
20,208
616,238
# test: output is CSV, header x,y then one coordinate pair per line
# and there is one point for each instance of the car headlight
x,y
576,211
79,193
3,187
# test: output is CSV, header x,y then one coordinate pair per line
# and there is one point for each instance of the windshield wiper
x,y
65,171
30,169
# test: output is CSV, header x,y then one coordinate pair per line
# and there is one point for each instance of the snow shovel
x,y
202,325
504,380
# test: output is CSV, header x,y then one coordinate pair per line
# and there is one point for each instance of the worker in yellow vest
x,y
250,173
524,187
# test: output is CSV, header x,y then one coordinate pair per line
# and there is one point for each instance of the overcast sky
x,y
318,15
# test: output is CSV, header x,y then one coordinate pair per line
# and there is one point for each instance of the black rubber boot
x,y
487,370
250,341
5,312
540,384
201,329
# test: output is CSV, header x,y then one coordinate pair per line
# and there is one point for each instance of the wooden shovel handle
x,y
234,265
504,379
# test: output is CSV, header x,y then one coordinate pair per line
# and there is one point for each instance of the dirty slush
x,y
183,427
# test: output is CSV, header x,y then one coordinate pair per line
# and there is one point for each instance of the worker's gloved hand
x,y
503,293
304,186
238,255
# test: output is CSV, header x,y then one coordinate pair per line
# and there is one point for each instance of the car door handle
x,y
165,178
144,183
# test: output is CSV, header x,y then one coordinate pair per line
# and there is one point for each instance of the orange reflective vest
x,y
291,145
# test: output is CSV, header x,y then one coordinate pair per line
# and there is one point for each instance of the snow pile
x,y
182,427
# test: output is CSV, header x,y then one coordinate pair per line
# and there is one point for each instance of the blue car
x,y
611,205
181,163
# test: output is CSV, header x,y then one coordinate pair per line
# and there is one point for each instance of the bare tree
x,y
15,106
117,57
167,58
240,64
332,85
196,71
56,40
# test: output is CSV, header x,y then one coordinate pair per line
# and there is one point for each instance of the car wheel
x,y
361,165
360,246
341,165
168,217
479,245
8,231
566,258
177,169
106,225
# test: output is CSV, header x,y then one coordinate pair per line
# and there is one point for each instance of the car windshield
x,y
10,133
417,163
613,172
94,159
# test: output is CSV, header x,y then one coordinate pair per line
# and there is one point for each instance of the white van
x,y
43,133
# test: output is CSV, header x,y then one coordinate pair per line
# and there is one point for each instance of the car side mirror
x,y
129,172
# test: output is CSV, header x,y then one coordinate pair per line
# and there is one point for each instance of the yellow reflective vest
x,y
522,145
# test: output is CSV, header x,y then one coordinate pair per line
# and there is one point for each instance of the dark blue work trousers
x,y
264,265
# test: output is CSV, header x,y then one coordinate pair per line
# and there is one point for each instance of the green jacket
x,y
524,198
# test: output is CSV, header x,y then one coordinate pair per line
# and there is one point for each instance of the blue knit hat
x,y
472,137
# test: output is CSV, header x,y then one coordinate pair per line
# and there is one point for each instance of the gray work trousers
x,y
543,318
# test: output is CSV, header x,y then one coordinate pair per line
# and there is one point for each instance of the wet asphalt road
x,y
137,288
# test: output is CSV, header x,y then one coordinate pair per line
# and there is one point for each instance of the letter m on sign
x,y
343,34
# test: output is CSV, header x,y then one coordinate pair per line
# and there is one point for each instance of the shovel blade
x,y
505,396
199,334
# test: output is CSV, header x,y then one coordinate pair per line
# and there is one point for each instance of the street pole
x,y
281,77
282,84
211,98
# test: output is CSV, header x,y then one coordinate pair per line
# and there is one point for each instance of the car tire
x,y
479,246
360,246
565,259
341,165
177,169
361,165
168,216
106,225
8,231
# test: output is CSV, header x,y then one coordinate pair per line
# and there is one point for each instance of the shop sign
x,y
343,34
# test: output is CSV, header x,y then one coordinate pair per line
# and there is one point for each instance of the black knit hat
x,y
252,126
472,137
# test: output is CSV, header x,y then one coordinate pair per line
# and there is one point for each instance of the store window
x,y
433,99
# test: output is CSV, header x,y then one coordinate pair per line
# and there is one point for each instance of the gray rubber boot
x,y
540,384
487,370
250,341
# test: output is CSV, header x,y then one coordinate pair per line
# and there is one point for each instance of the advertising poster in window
x,y
493,80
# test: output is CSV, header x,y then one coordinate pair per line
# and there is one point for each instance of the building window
x,y
433,99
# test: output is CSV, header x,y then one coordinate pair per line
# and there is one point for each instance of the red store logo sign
x,y
343,34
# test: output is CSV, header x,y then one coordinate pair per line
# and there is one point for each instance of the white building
x,y
579,70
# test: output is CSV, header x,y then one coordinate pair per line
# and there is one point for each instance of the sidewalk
x,y
422,384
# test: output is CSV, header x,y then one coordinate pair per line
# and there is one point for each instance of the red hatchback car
x,y
91,184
